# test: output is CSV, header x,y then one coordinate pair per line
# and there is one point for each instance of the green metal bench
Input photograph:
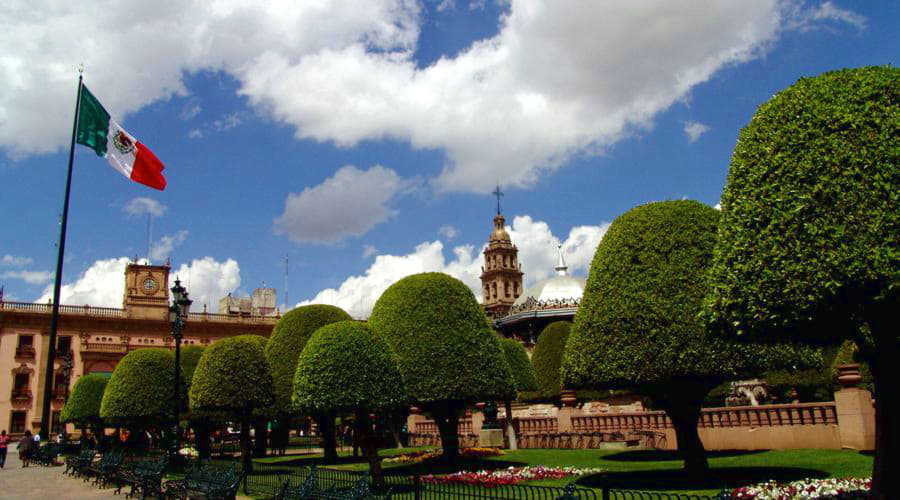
x,y
144,477
309,489
205,480
104,470
77,463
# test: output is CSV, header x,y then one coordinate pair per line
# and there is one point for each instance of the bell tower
x,y
146,291
501,274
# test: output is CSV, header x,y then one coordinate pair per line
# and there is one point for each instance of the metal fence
x,y
267,479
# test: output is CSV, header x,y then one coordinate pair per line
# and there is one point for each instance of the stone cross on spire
x,y
496,192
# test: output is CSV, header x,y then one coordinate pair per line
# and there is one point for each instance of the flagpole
x,y
46,424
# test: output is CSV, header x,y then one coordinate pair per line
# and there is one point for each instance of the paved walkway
x,y
35,482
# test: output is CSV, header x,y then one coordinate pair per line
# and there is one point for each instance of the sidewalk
x,y
36,482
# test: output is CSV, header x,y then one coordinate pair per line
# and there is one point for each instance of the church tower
x,y
501,274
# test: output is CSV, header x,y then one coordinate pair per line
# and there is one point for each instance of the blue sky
x,y
362,139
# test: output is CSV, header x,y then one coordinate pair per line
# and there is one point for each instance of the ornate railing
x,y
100,347
537,425
25,352
232,318
32,307
20,394
770,415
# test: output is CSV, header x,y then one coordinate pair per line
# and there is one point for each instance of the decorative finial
x,y
561,267
498,194
80,69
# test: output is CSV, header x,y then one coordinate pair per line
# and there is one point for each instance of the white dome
x,y
561,288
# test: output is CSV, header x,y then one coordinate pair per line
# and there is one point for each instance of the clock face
x,y
150,285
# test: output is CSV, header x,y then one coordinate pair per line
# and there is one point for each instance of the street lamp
x,y
178,314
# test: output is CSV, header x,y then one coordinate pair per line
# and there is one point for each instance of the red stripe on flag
x,y
148,169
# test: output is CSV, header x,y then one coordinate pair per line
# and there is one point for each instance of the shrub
x,y
547,358
808,238
288,338
140,389
519,365
446,354
190,356
83,405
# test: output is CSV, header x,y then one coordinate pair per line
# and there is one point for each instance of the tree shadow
x,y
437,466
667,455
716,478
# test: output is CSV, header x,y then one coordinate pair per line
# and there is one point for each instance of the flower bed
x,y
421,456
511,475
839,489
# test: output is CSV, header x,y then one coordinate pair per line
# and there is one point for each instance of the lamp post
x,y
178,314
67,375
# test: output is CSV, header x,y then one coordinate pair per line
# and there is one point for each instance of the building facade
x,y
501,274
96,338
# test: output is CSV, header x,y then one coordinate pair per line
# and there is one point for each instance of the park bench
x,y
309,489
77,463
46,455
144,476
205,480
104,469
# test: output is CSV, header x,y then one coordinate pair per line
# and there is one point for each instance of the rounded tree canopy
x,y
638,322
810,224
141,387
190,356
519,365
345,367
437,330
547,358
288,338
84,402
232,376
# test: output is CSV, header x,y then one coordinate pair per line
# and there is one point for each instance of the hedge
x,y
84,402
141,387
519,365
547,358
233,376
345,367
288,338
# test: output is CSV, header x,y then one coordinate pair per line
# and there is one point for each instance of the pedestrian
x,y
4,441
25,446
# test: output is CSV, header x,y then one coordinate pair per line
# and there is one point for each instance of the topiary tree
x,y
190,356
83,406
139,392
233,376
344,367
808,238
638,326
288,338
446,355
523,379
547,358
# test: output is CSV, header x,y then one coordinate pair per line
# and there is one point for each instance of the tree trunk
x,y
369,446
446,416
395,433
682,404
329,443
510,427
246,459
885,372
260,438
201,437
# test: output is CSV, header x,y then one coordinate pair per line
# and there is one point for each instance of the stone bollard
x,y
855,412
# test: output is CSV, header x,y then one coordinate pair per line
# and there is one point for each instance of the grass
x,y
641,469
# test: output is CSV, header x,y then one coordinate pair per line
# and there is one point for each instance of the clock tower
x,y
146,291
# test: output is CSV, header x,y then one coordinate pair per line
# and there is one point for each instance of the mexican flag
x,y
101,133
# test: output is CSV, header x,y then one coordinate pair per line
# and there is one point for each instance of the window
x,y
59,382
21,382
17,422
54,422
26,340
25,349
64,345
506,289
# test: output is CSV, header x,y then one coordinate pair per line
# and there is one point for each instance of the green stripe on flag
x,y
93,123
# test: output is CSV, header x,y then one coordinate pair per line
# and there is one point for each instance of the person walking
x,y
4,442
26,444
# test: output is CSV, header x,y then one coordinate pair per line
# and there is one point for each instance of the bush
x,y
519,365
190,356
288,338
345,367
547,358
83,405
436,328
232,376
140,388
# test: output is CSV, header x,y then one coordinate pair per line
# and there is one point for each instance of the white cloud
x,y
227,122
30,277
446,5
190,110
537,254
349,203
368,251
195,133
163,248
448,232
694,130
14,261
103,283
718,206
142,206
558,79
827,12
208,280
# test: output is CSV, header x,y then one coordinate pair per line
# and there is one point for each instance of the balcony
x,y
59,392
20,394
25,352
64,354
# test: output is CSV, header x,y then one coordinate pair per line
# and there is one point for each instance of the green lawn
x,y
645,469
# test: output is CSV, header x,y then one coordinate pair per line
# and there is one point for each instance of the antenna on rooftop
x,y
149,235
286,306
